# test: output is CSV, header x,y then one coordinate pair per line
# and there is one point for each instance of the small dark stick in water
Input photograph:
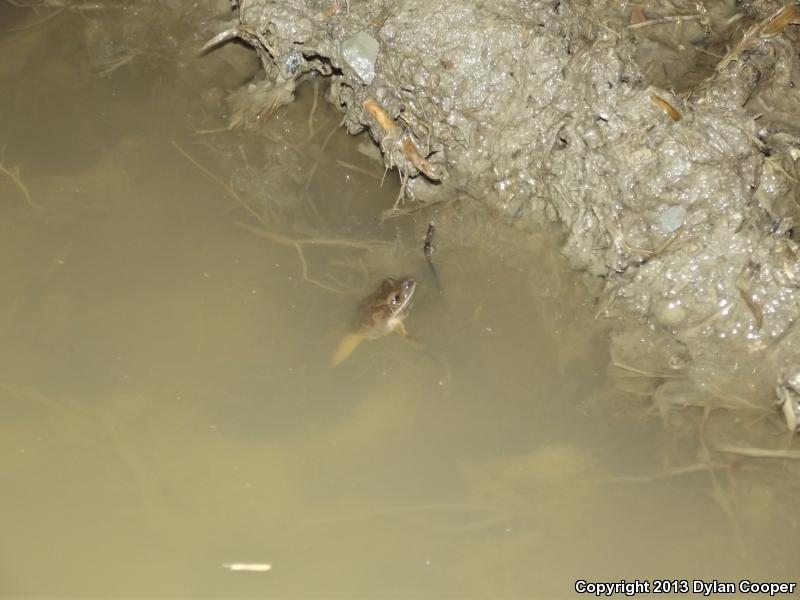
x,y
428,249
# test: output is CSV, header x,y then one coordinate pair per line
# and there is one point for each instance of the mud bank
x,y
663,140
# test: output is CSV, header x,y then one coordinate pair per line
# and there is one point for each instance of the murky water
x,y
167,405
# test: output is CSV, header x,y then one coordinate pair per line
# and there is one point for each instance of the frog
x,y
380,314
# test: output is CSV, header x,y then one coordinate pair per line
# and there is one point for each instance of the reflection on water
x,y
166,402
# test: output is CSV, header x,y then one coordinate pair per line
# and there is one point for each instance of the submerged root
x,y
108,68
359,170
297,243
14,175
52,15
646,373
400,139
312,171
313,111
760,452
730,401
698,467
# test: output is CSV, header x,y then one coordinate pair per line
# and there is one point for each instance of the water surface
x,y
166,402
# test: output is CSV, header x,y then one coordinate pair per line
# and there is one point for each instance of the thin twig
x,y
313,111
13,174
277,238
760,452
55,13
648,374
357,169
685,470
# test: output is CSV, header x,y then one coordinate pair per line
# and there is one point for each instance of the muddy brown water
x,y
167,408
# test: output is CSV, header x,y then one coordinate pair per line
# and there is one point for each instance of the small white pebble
x,y
252,567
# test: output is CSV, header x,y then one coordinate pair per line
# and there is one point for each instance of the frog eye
x,y
396,299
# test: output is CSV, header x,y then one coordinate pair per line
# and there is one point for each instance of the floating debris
x,y
251,567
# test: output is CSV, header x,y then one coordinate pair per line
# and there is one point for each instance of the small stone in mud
x,y
672,218
360,51
670,313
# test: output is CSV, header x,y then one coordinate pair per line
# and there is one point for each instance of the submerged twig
x,y
674,472
357,169
297,243
760,452
274,237
52,15
108,68
344,243
13,174
313,111
322,148
645,373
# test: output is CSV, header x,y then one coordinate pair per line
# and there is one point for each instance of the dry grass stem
x,y
665,21
769,27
